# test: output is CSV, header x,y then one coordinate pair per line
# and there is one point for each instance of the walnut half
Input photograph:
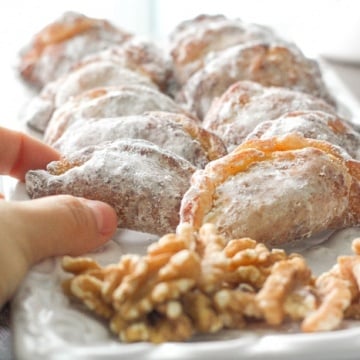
x,y
196,282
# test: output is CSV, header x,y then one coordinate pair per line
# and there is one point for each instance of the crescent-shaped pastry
x,y
61,44
40,109
194,40
312,124
171,131
143,182
140,55
108,102
265,63
277,191
245,104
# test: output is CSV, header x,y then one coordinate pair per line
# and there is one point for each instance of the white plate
x,y
47,326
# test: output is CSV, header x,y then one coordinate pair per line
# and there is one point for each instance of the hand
x,y
52,226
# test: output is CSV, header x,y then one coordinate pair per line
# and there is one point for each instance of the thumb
x,y
58,225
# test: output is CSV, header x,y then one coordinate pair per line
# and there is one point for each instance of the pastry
x,y
40,109
278,191
194,40
268,64
137,54
143,182
245,104
108,102
312,124
57,47
171,131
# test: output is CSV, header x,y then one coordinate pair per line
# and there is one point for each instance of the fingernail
x,y
105,216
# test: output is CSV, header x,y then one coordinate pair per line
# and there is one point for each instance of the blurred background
x,y
327,28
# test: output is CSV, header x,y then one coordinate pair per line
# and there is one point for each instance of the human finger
x,y
20,153
36,229
57,225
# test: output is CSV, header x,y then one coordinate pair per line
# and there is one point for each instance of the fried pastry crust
x,y
246,104
275,191
315,125
139,55
57,47
41,108
268,64
143,182
171,131
193,41
109,101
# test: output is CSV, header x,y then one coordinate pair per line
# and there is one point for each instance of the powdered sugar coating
x,y
57,47
196,40
108,102
170,131
140,55
241,192
267,64
144,183
89,76
312,124
245,104
101,73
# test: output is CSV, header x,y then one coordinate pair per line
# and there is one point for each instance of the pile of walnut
x,y
191,283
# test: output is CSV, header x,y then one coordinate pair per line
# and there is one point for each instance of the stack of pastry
x,y
232,126
107,98
222,86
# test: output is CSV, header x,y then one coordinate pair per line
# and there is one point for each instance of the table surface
x,y
348,73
